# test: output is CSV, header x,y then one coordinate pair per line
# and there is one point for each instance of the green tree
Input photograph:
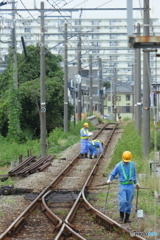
x,y
106,84
28,93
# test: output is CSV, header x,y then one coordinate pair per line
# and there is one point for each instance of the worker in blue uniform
x,y
84,133
93,147
127,177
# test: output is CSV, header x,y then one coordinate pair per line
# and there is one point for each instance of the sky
x,y
51,4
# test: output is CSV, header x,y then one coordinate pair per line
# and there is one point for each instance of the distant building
x,y
124,100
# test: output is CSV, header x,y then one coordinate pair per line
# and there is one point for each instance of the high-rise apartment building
x,y
102,38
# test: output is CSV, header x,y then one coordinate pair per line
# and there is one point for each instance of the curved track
x,y
72,219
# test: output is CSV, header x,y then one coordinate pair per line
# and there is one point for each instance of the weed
x,y
2,214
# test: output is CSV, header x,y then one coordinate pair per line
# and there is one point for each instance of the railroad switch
x,y
10,190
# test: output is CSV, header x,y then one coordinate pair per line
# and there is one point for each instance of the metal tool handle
x,y
107,197
137,200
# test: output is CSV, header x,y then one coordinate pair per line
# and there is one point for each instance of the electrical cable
x,y
29,12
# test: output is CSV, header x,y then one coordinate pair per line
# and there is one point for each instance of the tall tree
x,y
28,93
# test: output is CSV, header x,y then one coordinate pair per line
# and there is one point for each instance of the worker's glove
x,y
137,185
108,181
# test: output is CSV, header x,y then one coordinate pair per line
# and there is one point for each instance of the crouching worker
x,y
127,177
93,147
84,140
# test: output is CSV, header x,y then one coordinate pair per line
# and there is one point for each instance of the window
x,y
109,109
130,64
113,36
27,30
28,37
113,57
8,30
109,98
96,22
46,37
112,22
95,91
60,30
95,44
113,43
9,23
126,109
128,97
95,51
60,37
118,98
45,22
113,51
27,23
77,22
61,22
95,36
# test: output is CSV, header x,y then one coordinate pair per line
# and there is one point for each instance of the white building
x,y
102,38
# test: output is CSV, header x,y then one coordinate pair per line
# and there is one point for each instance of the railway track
x,y
62,210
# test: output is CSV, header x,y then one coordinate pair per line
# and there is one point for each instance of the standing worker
x,y
127,177
93,147
84,140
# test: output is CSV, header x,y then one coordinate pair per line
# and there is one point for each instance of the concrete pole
x,y
115,94
100,86
135,87
42,86
65,80
138,118
79,85
146,88
90,84
15,73
111,96
129,17
133,100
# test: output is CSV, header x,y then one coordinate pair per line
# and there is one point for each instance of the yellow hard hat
x,y
86,125
127,156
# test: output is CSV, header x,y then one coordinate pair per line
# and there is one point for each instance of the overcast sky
x,y
51,4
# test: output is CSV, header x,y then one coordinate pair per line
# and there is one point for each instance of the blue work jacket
x,y
118,171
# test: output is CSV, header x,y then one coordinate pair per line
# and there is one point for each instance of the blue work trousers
x,y
125,197
84,146
92,149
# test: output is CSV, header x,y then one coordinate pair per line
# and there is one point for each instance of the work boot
x,y
82,155
90,156
121,216
95,156
86,155
126,220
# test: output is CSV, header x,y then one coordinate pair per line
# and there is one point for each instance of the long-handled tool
x,y
99,185
140,211
106,197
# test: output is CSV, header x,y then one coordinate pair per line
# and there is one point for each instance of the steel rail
x,y
16,224
102,219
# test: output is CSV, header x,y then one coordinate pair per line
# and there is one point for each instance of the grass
x,y
57,141
131,141
9,181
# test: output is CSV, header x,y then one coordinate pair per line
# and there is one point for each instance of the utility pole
x,y
146,86
115,94
133,83
65,79
79,83
15,72
90,84
42,86
100,85
138,107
